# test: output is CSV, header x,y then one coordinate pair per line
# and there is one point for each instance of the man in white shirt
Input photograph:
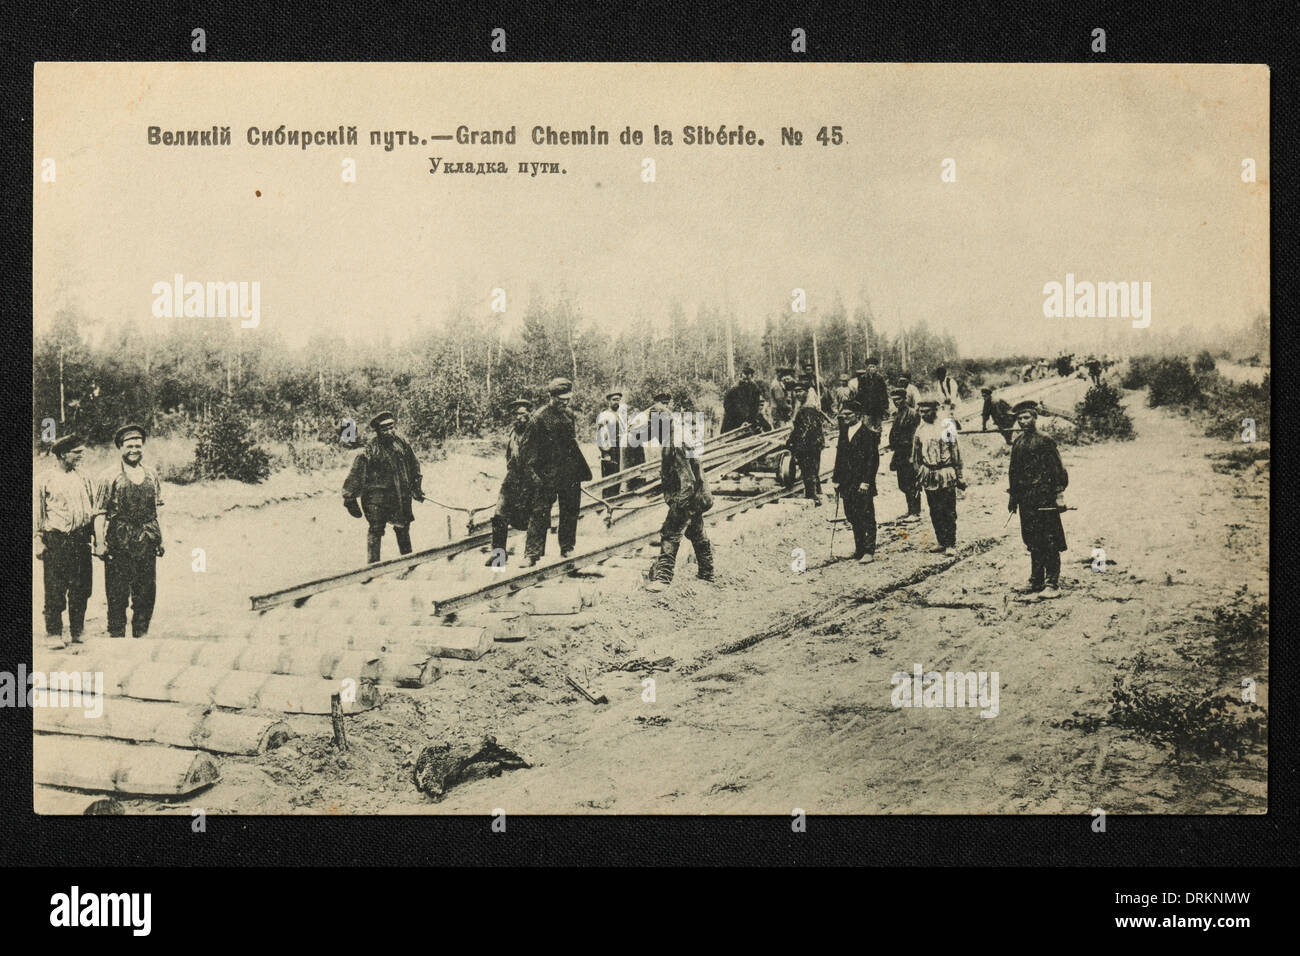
x,y
610,439
64,520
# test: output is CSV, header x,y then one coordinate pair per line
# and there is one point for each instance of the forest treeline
x,y
451,379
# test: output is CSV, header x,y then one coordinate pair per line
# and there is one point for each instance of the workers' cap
x,y
803,385
985,390
852,407
560,386
1028,405
904,377
66,444
613,395
747,370
663,395
927,403
898,391
872,360
382,419
844,376
128,431
860,372
519,403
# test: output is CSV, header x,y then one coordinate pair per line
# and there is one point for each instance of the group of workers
x,y
115,517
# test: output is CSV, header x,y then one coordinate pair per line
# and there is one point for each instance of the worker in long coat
x,y
1038,479
556,468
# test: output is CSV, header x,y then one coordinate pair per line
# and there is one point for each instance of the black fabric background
x,y
703,31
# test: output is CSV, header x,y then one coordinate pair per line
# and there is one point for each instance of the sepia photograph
x,y
650,438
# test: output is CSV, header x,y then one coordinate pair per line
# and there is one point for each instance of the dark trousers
x,y
68,580
500,530
570,498
375,537
1044,563
860,509
608,468
943,515
907,485
810,467
682,521
130,578
1044,536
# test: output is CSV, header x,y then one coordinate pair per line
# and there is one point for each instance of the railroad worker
x,y
1037,481
65,513
806,442
936,459
873,395
913,394
1000,412
687,495
556,468
384,479
948,388
818,394
901,432
764,422
1094,369
857,459
842,392
515,501
780,396
611,437
128,538
740,404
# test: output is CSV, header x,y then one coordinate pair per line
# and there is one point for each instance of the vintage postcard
x,y
650,439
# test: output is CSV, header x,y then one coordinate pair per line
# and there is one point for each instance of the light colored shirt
x,y
65,501
936,455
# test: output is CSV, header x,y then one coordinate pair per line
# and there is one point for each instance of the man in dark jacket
x,y
1037,481
687,495
740,404
515,502
1001,414
906,418
385,477
857,459
806,442
873,395
556,468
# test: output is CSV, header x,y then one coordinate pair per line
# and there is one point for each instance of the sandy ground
x,y
802,716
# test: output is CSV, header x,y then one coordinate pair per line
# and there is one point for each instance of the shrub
x,y
1171,382
224,448
1204,363
1100,415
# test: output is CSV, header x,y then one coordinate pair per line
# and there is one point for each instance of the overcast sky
x,y
1109,172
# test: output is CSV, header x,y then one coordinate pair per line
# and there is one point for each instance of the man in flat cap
x,y
128,538
857,459
65,512
1037,481
936,459
901,432
1000,412
556,467
515,501
806,442
611,439
687,495
385,478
